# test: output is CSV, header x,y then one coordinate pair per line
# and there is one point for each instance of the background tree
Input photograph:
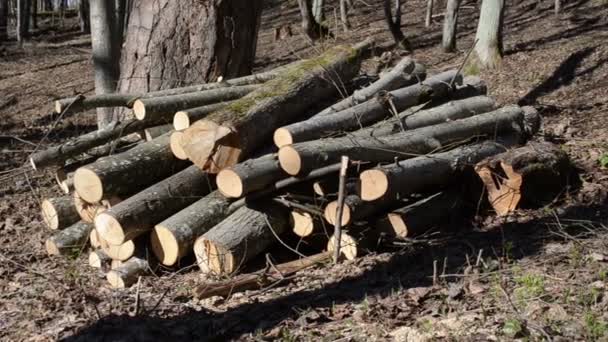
x,y
3,20
450,24
22,20
489,47
313,29
394,23
83,16
34,14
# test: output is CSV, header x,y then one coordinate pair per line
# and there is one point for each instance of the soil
x,y
535,275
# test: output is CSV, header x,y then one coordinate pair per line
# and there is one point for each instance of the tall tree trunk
x,y
394,24
558,6
121,11
176,43
47,5
449,26
22,22
317,10
34,13
429,13
3,20
488,50
83,16
309,25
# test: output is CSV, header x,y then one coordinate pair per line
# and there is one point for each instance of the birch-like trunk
x,y
449,25
488,50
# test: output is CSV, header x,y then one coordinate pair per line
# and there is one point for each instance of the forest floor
x,y
533,275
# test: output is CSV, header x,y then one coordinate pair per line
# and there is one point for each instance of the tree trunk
x,y
34,14
489,47
313,29
317,11
429,13
59,212
344,15
450,25
121,12
173,238
83,16
558,6
174,43
394,24
139,213
70,240
22,20
106,54
301,158
4,4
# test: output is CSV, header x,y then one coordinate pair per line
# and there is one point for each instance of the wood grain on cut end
x,y
331,211
49,214
139,109
348,246
94,239
59,212
181,120
88,185
398,224
212,258
302,223
58,107
99,259
504,194
127,274
114,264
282,137
229,183
374,184
51,247
109,229
176,145
165,246
119,252
290,160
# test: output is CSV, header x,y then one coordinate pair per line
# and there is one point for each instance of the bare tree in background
x,y
83,16
489,48
394,23
34,14
22,20
121,11
3,20
317,10
313,29
450,24
344,6
558,6
429,13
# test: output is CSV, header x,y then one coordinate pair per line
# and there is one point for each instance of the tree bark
x,y
173,238
394,24
301,158
83,16
69,240
156,131
369,112
344,15
59,212
317,11
450,25
249,176
22,21
139,213
127,173
4,4
243,235
313,29
120,6
106,54
558,7
34,14
489,47
429,13
227,136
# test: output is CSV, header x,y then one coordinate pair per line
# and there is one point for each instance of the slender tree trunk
x,y
449,26
309,25
22,16
429,13
34,14
3,20
558,6
106,53
394,24
317,11
121,12
47,5
344,15
489,48
83,15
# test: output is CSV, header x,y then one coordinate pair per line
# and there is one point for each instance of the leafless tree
x,y
394,23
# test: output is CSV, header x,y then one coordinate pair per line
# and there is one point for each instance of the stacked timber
x,y
225,171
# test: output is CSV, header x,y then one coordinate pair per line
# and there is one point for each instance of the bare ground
x,y
534,275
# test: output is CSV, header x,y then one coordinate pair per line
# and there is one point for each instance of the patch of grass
x,y
513,328
576,256
589,298
530,286
603,159
595,327
603,274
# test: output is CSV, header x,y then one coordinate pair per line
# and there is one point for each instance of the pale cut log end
x,y
398,225
348,246
139,109
65,184
282,137
109,229
374,184
116,279
121,252
212,258
94,239
302,223
210,146
87,211
50,217
504,194
51,247
175,143
165,246
317,187
290,160
229,183
33,164
88,185
331,210
99,259
114,264
58,107
181,121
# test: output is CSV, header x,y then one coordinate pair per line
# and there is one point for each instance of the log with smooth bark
x,y
418,174
301,158
529,176
243,235
174,237
227,136
128,272
126,173
355,209
139,213
99,259
368,112
156,131
69,240
123,251
249,176
87,211
59,212
159,108
260,279
185,118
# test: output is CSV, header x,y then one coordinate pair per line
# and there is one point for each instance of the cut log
x,y
139,213
328,187
355,242
528,177
126,173
59,212
156,131
249,176
227,136
240,237
418,174
175,142
165,107
94,239
173,238
65,180
368,112
301,158
87,211
408,120
185,118
260,279
128,272
304,224
399,76
99,259
421,216
355,209
121,252
69,240
114,264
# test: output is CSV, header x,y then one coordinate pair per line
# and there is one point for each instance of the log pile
x,y
231,169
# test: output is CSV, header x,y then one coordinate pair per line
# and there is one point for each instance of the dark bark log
x,y
355,209
227,136
526,177
301,158
70,240
139,213
240,237
371,111
156,131
126,173
356,241
59,212
173,238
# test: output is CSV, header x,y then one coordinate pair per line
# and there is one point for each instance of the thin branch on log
x,y
340,208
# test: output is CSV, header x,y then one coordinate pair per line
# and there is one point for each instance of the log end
x,y
116,279
51,247
348,246
398,225
503,187
212,258
175,142
58,107
331,210
229,183
374,184
139,109
96,261
94,239
181,121
50,217
302,223
165,246
282,137
290,160
88,185
114,264
317,187
109,229
121,252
